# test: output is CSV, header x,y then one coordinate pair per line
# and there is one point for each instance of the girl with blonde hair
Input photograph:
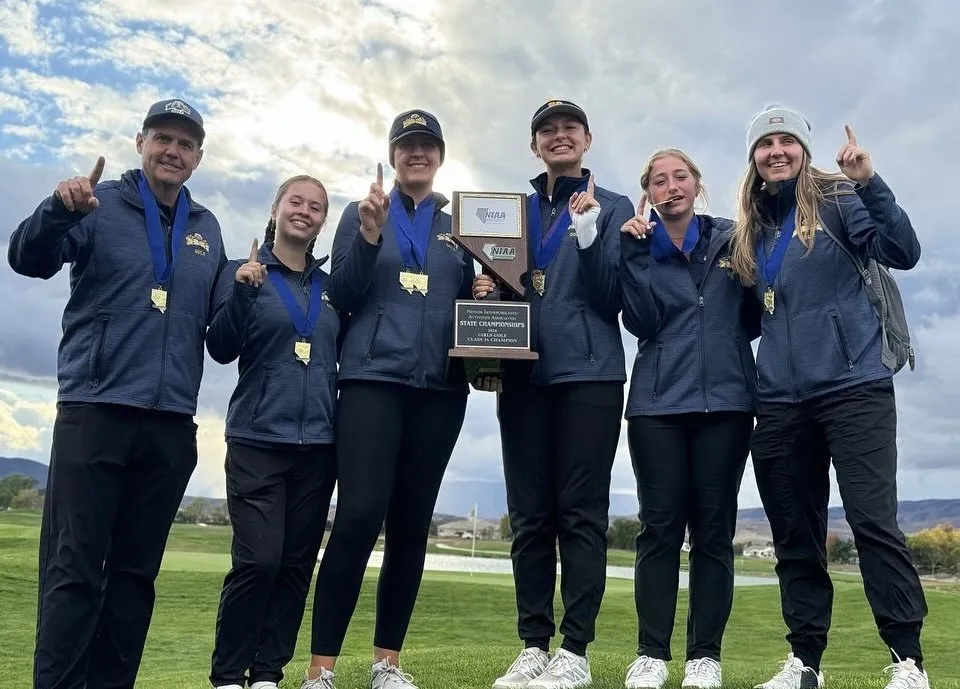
x,y
689,413
824,389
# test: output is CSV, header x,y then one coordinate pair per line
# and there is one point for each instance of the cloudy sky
x,y
312,87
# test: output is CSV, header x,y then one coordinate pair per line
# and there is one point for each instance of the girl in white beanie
x,y
825,391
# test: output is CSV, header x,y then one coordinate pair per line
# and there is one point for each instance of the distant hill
x,y
12,466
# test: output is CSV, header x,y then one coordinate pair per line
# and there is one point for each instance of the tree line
x,y
935,551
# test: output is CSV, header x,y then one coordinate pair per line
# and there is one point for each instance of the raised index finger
x,y
851,137
380,175
591,185
254,251
97,171
642,207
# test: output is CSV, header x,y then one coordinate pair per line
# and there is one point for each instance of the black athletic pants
x,y
559,443
688,469
393,445
278,500
792,448
117,476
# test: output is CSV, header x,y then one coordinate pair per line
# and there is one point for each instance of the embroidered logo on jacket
x,y
200,245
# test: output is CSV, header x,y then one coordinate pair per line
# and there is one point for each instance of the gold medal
x,y
407,281
158,297
421,282
769,301
539,280
301,349
414,282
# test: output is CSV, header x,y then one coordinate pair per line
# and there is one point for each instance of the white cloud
x,y
306,87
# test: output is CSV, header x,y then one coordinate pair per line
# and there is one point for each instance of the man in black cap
x,y
143,261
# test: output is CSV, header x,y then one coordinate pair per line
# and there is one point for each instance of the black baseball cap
x,y
557,107
415,122
174,108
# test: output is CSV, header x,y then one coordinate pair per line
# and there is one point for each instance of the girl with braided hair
x,y
273,316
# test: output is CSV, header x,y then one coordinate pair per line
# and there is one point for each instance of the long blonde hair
x,y
813,186
686,160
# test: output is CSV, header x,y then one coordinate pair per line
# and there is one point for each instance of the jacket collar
x,y
267,258
563,187
439,199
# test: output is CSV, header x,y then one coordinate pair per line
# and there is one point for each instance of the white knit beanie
x,y
776,119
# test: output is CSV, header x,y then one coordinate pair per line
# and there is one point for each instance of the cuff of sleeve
x,y
245,293
874,190
586,236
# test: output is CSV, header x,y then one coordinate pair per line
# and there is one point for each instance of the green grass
x,y
463,632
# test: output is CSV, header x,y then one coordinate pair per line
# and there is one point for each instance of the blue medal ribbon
x,y
414,236
769,267
662,247
162,269
303,323
544,247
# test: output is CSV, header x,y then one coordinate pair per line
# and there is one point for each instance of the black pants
x,y
393,446
117,476
559,442
278,500
688,469
792,447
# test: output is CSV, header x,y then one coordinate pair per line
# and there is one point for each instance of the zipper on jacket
x,y
587,339
166,329
303,401
373,336
703,350
422,377
841,341
98,352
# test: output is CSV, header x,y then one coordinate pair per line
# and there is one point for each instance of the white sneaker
x,y
264,685
228,686
702,673
646,673
386,675
564,671
793,675
324,681
906,675
529,664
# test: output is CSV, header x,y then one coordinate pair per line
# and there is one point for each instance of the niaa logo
x,y
490,216
499,253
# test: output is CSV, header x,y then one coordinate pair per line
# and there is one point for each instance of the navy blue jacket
x,y
574,325
824,334
116,348
393,336
278,399
693,352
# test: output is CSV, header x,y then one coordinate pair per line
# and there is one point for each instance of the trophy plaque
x,y
492,228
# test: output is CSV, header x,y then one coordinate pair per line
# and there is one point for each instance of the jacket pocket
x,y
743,365
841,341
261,394
372,343
96,351
587,339
655,392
